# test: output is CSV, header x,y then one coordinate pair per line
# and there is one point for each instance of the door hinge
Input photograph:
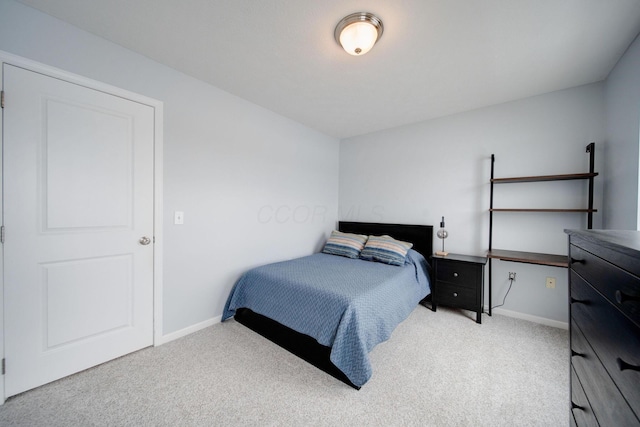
x,y
3,367
2,99
1,233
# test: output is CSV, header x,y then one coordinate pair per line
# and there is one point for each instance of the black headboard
x,y
420,235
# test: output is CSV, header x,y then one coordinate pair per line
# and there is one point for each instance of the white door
x,y
78,199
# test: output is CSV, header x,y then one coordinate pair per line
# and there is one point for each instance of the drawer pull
x,y
624,365
577,261
576,406
455,274
579,301
621,297
455,294
575,353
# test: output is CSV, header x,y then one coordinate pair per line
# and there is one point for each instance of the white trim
x,y
2,355
188,330
530,318
158,107
158,218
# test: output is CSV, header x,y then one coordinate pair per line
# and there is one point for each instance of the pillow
x,y
344,244
385,249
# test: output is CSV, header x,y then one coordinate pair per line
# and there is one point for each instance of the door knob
x,y
145,240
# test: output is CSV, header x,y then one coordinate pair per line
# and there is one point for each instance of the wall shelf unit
x,y
534,257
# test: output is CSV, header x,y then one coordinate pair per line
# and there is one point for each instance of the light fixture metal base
x,y
359,17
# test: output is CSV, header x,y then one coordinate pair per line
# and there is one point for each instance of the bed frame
x,y
306,347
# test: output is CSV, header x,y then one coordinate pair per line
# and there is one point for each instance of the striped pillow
x,y
344,244
385,249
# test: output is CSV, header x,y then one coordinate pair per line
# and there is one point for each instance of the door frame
x,y
158,108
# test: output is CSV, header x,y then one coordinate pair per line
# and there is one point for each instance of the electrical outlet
x,y
551,282
512,275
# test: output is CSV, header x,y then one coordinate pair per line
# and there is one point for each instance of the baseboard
x,y
530,318
188,330
210,322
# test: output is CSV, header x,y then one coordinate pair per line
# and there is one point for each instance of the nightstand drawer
x,y
459,273
456,296
459,282
618,286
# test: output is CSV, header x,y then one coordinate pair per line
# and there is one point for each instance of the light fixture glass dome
x,y
358,32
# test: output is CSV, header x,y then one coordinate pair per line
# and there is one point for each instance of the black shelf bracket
x,y
590,149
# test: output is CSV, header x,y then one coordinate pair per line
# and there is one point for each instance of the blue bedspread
x,y
349,305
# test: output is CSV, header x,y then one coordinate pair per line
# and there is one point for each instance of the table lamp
x,y
442,234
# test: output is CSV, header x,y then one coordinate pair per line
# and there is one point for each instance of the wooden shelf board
x,y
530,257
565,177
541,210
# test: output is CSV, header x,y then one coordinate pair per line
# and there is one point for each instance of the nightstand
x,y
459,282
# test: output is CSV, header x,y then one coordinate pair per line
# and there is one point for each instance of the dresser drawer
x,y
581,411
459,273
613,337
621,248
617,285
456,296
608,405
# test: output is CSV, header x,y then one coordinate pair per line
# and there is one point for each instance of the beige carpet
x,y
438,369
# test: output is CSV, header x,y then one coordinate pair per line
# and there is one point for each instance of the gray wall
x,y
622,97
255,187
420,172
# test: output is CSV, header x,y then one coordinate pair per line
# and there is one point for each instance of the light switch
x,y
178,217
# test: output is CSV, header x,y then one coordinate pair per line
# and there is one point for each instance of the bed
x,y
332,310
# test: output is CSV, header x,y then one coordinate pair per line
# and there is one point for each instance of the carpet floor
x,y
438,369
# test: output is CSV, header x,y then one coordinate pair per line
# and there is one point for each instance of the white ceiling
x,y
436,57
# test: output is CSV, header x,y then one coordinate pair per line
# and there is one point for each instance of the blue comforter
x,y
350,305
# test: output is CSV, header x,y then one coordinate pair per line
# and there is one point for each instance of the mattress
x,y
349,305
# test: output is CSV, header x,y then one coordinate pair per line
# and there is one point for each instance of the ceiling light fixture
x,y
358,32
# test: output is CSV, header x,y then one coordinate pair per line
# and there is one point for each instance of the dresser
x,y
459,282
604,312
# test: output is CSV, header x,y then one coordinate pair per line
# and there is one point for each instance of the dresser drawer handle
x,y
455,274
455,294
621,297
576,406
575,353
579,301
624,365
577,261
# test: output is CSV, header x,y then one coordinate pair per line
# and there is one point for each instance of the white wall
x,y
255,187
622,97
420,172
